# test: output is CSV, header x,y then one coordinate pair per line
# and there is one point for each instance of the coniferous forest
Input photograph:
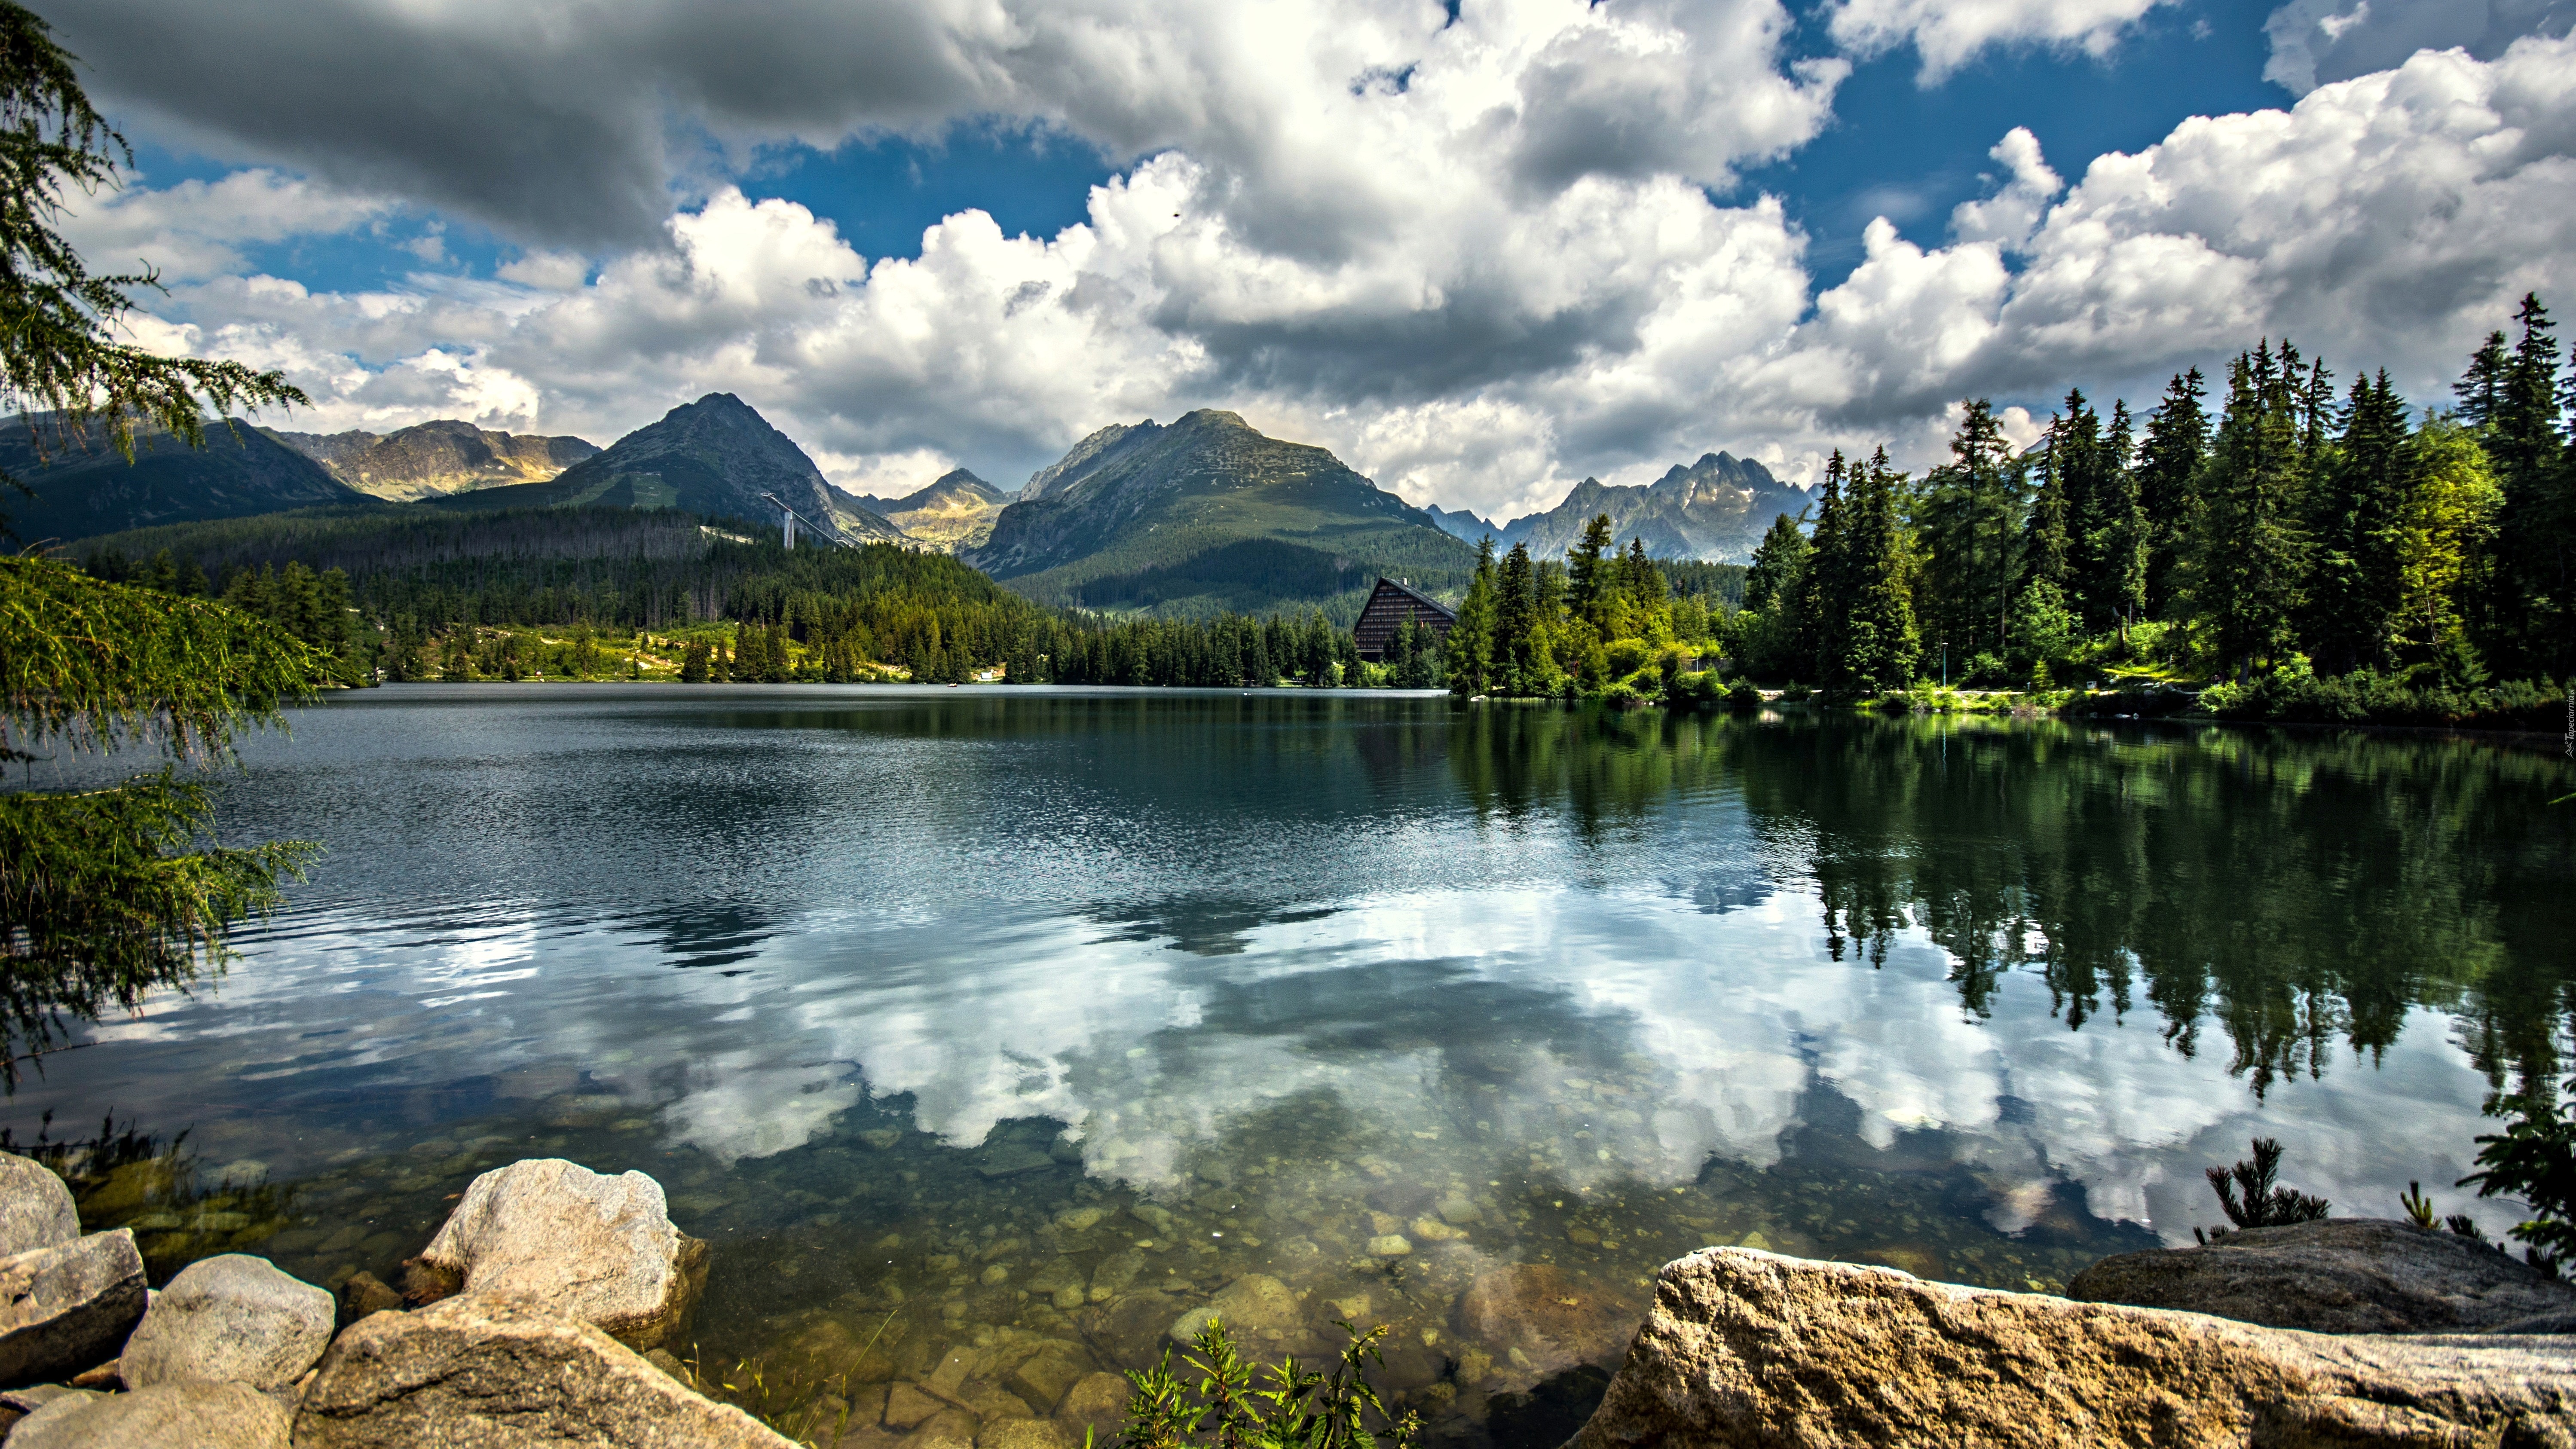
x,y
2289,545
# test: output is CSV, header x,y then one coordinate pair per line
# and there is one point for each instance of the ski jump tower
x,y
788,518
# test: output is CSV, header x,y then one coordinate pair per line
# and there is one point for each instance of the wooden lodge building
x,y
1388,608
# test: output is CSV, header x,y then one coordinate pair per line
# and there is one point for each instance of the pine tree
x,y
1977,515
2063,463
1470,645
2480,389
1881,648
2534,610
1587,581
2169,465
1519,646
1779,561
1821,607
2115,547
2248,567
2352,589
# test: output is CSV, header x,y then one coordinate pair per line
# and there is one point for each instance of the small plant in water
x,y
2264,1205
1289,1408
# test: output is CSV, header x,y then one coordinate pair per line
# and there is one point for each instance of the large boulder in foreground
x,y
230,1318
190,1413
66,1308
36,1209
481,1369
2339,1275
599,1248
1750,1348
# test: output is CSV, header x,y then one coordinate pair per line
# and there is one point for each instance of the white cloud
x,y
2319,41
196,229
2008,217
1479,300
1950,33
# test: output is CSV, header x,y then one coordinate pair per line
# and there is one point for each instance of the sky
x,y
1479,250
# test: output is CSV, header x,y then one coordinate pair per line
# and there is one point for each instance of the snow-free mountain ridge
x,y
713,456
443,456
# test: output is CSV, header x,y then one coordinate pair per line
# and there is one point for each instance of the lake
x,y
988,1032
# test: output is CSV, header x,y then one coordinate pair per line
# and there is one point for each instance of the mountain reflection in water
x,y
1022,1021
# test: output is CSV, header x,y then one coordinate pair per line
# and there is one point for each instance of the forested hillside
x,y
426,593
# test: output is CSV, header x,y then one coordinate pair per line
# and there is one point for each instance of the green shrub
x,y
1694,690
1744,698
1626,656
1288,1408
2294,696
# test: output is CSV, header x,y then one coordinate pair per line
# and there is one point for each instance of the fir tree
x,y
1521,662
2169,465
2352,587
1470,645
2116,534
1881,648
2480,389
2249,563
1779,562
1822,604
2064,455
2535,608
1587,580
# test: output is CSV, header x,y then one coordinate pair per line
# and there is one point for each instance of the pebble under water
x,y
995,1036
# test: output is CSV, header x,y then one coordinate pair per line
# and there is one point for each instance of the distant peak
x,y
1217,417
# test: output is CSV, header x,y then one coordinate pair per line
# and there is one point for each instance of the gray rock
x,y
1747,1347
230,1319
65,1309
191,1413
482,1369
2337,1275
36,1209
599,1248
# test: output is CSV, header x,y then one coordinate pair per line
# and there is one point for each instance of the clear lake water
x,y
992,1035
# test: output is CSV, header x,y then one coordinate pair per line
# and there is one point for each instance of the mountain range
x,y
428,459
1715,510
712,456
1203,514
85,487
1208,514
956,511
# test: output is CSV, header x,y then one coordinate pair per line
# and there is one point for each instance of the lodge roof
x,y
1419,597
